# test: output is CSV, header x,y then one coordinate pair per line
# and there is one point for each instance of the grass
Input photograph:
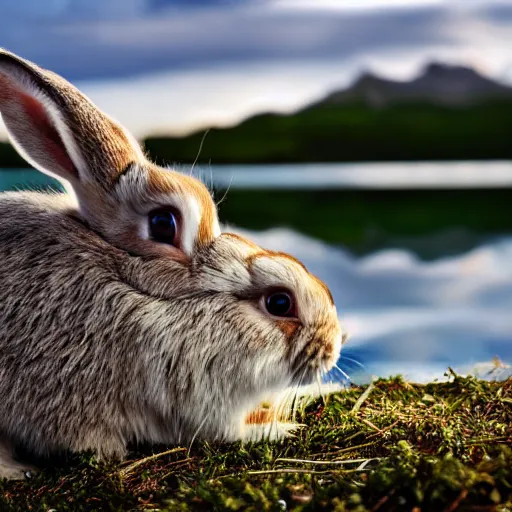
x,y
392,446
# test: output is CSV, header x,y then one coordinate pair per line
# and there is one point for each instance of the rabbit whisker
x,y
223,198
199,151
355,361
344,374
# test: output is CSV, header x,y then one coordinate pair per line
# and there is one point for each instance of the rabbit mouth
x,y
312,362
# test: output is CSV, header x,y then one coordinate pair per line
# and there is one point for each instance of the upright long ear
x,y
57,129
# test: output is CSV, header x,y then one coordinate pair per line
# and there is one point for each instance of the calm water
x,y
367,175
405,315
320,176
15,179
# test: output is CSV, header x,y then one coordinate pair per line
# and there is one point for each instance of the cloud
x,y
346,5
217,61
412,317
87,39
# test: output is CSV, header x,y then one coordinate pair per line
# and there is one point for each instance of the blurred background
x,y
370,138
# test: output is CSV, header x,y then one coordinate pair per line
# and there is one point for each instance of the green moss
x,y
444,446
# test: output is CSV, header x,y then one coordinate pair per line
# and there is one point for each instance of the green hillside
x,y
352,133
9,159
343,133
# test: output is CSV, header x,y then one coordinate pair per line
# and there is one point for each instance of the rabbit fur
x,y
62,133
108,337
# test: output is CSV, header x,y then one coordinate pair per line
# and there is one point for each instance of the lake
x,y
381,176
401,175
405,314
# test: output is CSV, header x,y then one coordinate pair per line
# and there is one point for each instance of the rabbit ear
x,y
57,129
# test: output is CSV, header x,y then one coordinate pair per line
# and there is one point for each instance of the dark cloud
x,y
96,41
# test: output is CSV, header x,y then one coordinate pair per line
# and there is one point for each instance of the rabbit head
x,y
253,324
132,203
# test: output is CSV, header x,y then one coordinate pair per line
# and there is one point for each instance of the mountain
x,y
440,84
446,113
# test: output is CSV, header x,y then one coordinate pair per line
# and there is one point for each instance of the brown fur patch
x,y
246,241
266,253
260,416
279,254
325,288
318,281
288,327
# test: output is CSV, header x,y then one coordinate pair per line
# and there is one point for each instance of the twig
x,y
286,470
455,505
382,501
379,503
486,440
371,425
128,469
176,463
271,472
380,432
365,463
350,449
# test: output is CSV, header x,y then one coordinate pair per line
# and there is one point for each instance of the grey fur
x,y
91,357
107,338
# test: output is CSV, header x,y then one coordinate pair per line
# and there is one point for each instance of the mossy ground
x,y
442,446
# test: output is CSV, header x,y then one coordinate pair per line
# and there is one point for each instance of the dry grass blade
x,y
327,462
287,470
362,399
123,473
350,449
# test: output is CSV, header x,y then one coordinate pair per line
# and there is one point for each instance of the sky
x,y
174,66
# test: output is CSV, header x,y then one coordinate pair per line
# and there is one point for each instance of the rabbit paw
x,y
11,469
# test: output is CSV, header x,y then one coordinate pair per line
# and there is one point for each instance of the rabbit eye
x,y
163,226
280,303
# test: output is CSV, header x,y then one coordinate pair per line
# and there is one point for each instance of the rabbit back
x,y
64,373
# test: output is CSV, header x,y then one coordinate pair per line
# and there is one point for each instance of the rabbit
x,y
125,314
132,203
93,355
